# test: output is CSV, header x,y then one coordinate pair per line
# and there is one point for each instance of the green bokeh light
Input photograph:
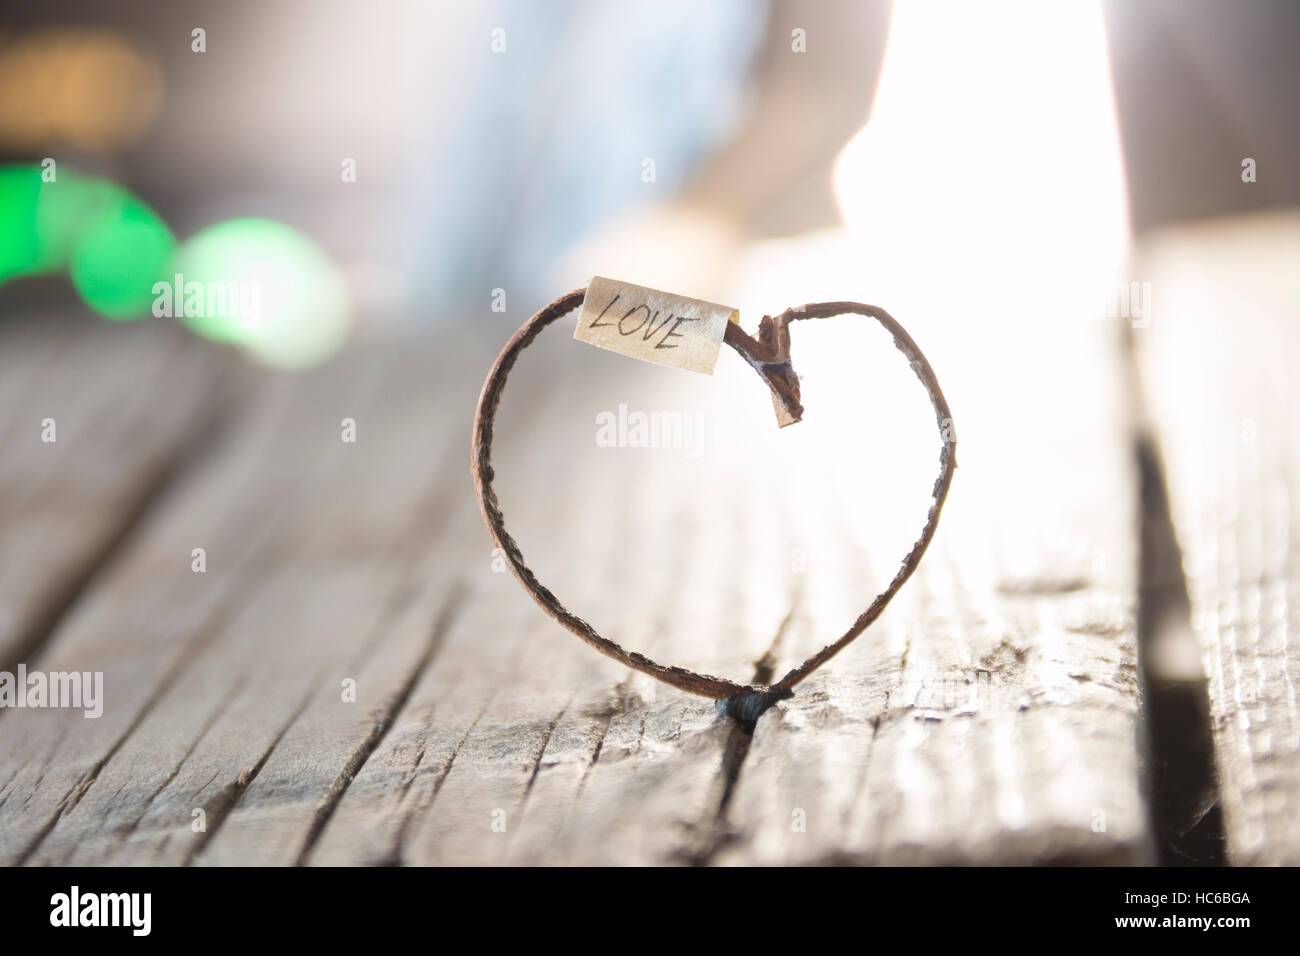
x,y
114,246
264,286
118,255
20,247
65,209
251,282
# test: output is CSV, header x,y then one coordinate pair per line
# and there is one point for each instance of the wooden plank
x,y
127,401
148,614
1218,359
626,772
719,595
338,571
991,715
483,732
502,736
417,518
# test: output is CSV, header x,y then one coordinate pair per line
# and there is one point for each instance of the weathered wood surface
x,y
121,410
205,672
990,716
1219,357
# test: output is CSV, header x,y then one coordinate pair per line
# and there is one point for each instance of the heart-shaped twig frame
x,y
769,355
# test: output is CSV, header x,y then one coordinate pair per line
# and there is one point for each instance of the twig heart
x,y
769,355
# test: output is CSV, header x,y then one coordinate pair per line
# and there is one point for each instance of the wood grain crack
x,y
229,797
710,834
337,790
395,855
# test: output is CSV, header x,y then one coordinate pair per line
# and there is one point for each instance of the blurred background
x,y
401,162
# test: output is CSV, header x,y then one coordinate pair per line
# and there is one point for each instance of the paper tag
x,y
653,326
